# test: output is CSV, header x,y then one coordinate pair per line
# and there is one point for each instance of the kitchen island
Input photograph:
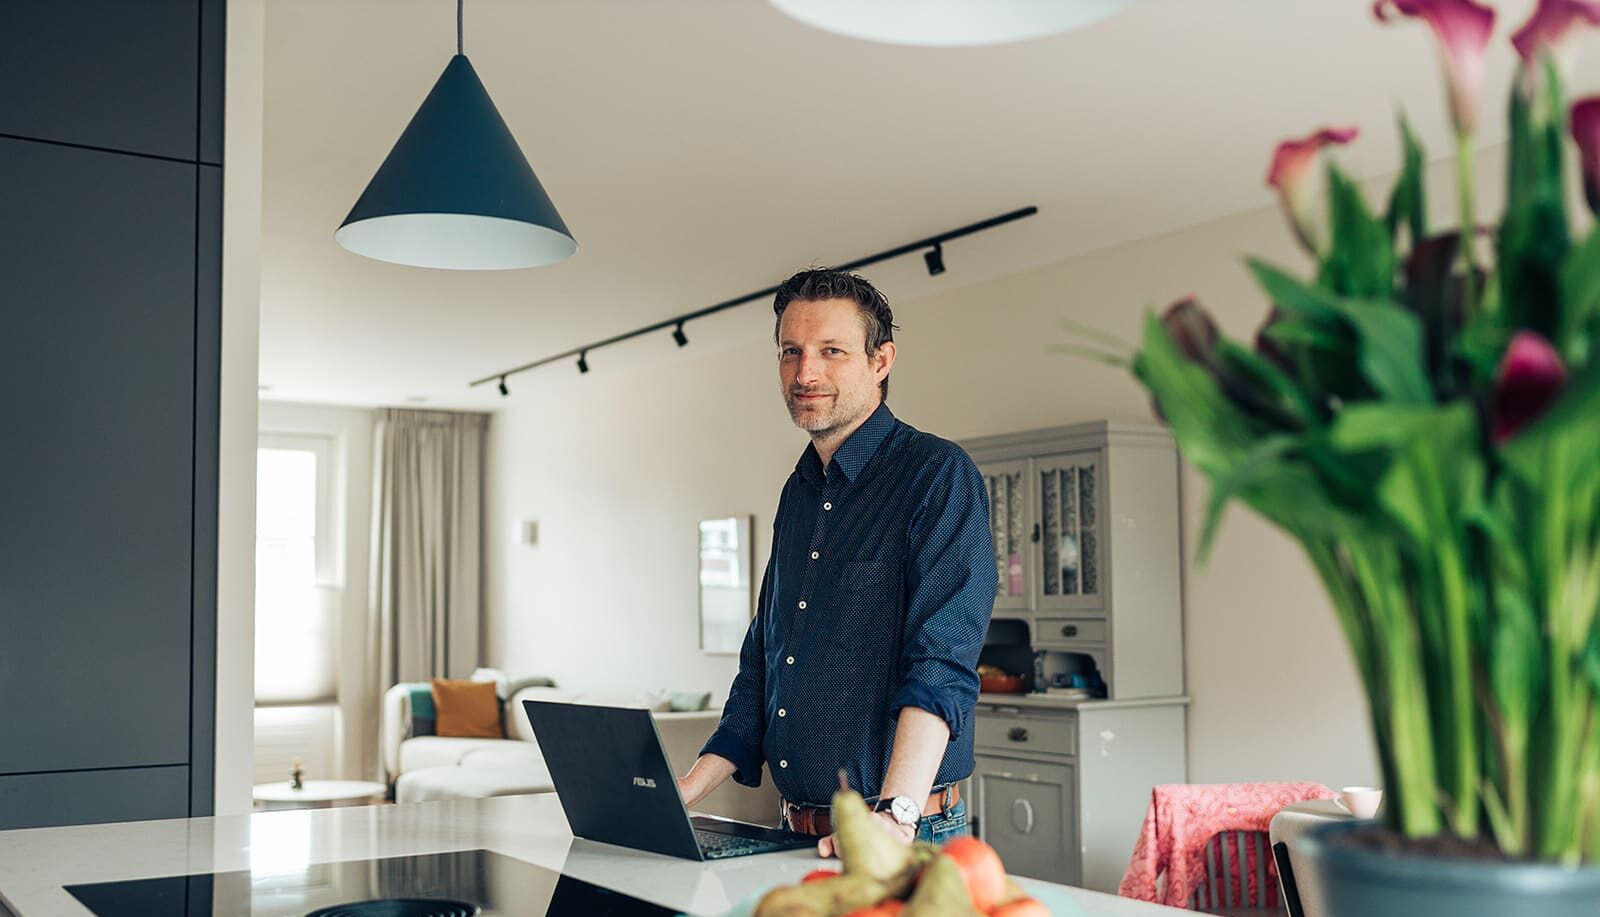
x,y
37,864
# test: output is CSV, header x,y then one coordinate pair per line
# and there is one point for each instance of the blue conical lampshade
x,y
456,191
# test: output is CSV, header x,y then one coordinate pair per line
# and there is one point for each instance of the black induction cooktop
x,y
465,883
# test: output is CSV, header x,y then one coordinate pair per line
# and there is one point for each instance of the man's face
x,y
828,381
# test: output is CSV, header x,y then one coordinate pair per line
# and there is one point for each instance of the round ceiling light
x,y
949,23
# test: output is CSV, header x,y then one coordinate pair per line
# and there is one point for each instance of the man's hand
x,y
903,833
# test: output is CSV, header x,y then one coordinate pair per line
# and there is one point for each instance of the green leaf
x,y
1377,426
1408,202
1385,339
1261,460
1360,261
1391,350
1210,430
1534,236
1580,297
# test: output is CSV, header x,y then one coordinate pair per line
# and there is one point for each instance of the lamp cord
x,y
458,25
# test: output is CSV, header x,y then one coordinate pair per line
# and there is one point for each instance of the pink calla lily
x,y
1584,122
1531,376
1463,29
1290,175
1547,28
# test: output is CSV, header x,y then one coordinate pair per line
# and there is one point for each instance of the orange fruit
x,y
981,867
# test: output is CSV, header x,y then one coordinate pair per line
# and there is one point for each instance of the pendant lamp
x,y
949,23
456,191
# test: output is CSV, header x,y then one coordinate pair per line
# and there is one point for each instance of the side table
x,y
316,794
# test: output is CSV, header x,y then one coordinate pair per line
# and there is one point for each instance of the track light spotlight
x,y
583,362
503,390
934,257
679,336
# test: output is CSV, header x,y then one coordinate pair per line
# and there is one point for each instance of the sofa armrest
x,y
393,728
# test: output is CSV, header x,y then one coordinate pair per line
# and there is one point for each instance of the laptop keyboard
x,y
716,845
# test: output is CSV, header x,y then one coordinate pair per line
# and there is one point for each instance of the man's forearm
x,y
708,773
920,740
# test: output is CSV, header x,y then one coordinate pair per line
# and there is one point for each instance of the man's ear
x,y
883,360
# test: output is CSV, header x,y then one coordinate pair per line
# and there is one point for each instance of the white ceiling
x,y
700,149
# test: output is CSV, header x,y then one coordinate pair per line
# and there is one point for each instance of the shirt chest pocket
x,y
868,607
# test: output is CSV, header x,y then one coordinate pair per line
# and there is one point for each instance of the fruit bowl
x,y
1002,684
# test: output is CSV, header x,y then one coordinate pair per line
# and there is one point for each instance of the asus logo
x,y
644,782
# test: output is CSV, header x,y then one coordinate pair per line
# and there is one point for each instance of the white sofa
x,y
427,767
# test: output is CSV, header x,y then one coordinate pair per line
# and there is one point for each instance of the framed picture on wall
x,y
726,557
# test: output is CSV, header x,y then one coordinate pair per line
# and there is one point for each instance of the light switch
x,y
527,532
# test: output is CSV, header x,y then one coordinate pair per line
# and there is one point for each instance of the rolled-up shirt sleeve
x,y
950,588
739,735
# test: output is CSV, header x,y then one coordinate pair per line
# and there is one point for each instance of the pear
x,y
865,848
941,892
822,898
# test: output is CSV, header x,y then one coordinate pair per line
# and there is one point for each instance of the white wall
x,y
350,429
241,331
616,466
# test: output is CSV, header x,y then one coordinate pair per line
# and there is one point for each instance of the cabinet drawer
x,y
1069,630
1055,735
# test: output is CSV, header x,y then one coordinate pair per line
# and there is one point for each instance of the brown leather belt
x,y
814,820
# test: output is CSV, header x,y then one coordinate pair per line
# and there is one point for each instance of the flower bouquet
x,y
1423,416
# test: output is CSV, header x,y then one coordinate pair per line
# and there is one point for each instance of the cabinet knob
x,y
1017,734
1071,630
1036,533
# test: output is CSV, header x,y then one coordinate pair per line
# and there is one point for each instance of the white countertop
x,y
1057,701
35,864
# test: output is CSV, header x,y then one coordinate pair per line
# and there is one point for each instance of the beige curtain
x,y
427,512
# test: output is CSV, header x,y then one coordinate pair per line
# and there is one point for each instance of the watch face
x,y
904,810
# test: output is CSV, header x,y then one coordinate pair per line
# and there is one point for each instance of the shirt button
x,y
790,660
827,506
782,712
784,763
815,555
802,604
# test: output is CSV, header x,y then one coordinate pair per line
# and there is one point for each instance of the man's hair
x,y
824,283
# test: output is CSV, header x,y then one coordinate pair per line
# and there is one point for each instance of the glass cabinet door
x,y
1067,493
1007,483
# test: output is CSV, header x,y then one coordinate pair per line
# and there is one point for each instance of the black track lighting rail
x,y
932,243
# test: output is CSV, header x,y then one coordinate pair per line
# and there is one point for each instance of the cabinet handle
x,y
1071,630
1036,535
1017,734
1022,816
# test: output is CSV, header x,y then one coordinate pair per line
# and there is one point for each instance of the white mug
x,y
1360,801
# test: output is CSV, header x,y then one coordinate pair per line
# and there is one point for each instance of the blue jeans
x,y
938,828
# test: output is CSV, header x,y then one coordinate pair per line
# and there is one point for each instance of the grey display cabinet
x,y
1086,532
1085,526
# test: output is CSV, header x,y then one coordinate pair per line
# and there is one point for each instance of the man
x,y
876,597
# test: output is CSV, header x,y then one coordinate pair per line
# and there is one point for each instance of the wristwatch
x,y
903,809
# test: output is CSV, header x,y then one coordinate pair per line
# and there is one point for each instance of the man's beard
x,y
814,419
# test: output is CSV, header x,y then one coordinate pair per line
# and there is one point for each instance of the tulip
x,y
1547,28
1530,377
1191,330
1585,126
1268,348
1290,174
1462,28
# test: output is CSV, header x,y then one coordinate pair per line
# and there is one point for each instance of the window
x,y
296,608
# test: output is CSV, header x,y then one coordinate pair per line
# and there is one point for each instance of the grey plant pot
x,y
1362,882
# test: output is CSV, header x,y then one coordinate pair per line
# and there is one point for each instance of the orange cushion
x,y
466,709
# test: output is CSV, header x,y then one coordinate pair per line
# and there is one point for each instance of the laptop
x,y
616,786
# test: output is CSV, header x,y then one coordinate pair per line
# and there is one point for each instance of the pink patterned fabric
x,y
1182,818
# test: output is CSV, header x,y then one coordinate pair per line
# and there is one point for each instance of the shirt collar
x,y
855,452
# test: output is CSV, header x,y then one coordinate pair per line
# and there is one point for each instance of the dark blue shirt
x,y
876,597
